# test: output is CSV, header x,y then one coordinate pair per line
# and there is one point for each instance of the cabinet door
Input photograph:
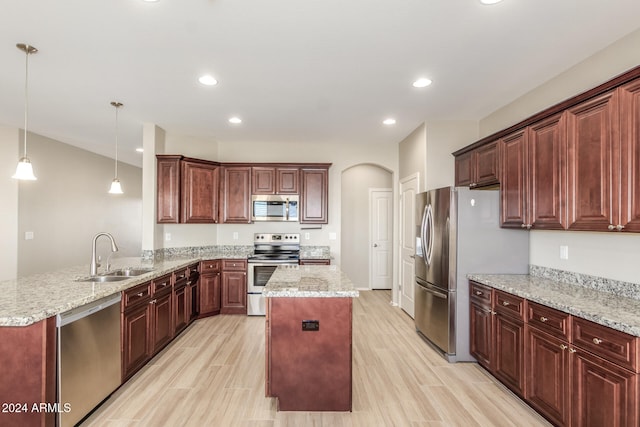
x,y
592,131
630,156
547,373
199,193
513,180
314,198
464,169
486,164
287,180
481,334
603,393
181,304
508,360
547,174
234,292
236,195
168,180
136,345
209,294
263,180
162,321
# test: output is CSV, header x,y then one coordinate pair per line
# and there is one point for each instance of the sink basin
x,y
101,279
129,272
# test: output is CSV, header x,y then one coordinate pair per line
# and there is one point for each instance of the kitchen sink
x,y
101,279
129,272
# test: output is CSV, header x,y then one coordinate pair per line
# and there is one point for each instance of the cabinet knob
x,y
479,293
523,225
563,347
141,294
597,341
619,227
572,350
505,303
543,319
611,227
528,226
493,312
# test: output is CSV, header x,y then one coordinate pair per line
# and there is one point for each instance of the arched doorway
x,y
361,186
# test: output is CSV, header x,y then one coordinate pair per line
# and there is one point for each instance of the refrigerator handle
x,y
427,233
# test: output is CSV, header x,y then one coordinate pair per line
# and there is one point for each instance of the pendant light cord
x,y
117,106
26,100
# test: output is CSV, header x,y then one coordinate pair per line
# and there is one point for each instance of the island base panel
x,y
308,369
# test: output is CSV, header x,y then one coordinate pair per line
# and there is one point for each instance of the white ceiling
x,y
294,70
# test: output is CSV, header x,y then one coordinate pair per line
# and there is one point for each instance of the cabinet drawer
x,y
136,295
234,265
209,266
481,294
610,344
509,305
161,285
181,275
549,320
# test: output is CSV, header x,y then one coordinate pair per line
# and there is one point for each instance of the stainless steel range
x,y
270,251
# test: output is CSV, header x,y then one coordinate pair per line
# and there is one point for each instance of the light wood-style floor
x,y
213,375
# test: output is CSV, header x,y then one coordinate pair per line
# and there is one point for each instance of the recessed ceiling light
x,y
389,122
208,80
490,1
422,82
235,120
150,1
140,150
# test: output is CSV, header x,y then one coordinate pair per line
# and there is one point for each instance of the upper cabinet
x,y
533,176
275,180
187,190
314,195
574,166
235,193
478,167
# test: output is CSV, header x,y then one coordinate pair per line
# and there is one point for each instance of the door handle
x,y
375,245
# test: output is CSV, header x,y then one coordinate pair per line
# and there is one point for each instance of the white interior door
x,y
408,190
381,238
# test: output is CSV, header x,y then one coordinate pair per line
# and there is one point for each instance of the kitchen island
x,y
308,338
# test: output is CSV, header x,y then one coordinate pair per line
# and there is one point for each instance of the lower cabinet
x,y
161,321
181,308
209,288
234,286
572,371
315,262
136,325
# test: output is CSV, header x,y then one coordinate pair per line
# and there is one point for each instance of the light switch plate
x,y
564,252
28,235
167,236
332,236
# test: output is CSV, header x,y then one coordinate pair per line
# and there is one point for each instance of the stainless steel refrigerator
x,y
457,233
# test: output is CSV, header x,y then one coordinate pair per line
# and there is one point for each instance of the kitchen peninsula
x,y
308,338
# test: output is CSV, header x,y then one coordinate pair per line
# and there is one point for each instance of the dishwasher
x,y
88,357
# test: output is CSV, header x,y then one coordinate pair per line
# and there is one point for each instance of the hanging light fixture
x,y
24,170
116,188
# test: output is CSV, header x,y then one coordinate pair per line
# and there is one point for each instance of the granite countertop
x,y
605,308
310,281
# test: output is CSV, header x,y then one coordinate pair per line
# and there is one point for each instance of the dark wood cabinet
x,y
478,167
533,180
161,306
274,180
481,334
199,191
315,262
209,288
168,182
314,197
508,350
181,305
592,131
234,286
236,195
630,156
136,329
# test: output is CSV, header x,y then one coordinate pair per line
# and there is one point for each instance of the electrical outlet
x,y
28,235
235,235
333,236
564,252
307,236
167,236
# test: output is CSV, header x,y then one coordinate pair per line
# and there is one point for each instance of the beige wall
x,y
69,204
413,155
608,255
9,155
354,221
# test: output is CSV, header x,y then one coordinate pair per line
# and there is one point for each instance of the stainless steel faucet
x,y
94,263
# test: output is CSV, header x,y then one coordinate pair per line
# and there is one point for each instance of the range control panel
x,y
276,238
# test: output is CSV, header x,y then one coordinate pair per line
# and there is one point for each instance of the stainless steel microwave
x,y
274,207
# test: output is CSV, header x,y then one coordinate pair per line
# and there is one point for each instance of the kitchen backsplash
x,y
624,289
225,251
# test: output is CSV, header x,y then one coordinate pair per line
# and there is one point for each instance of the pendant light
x,y
116,188
24,170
